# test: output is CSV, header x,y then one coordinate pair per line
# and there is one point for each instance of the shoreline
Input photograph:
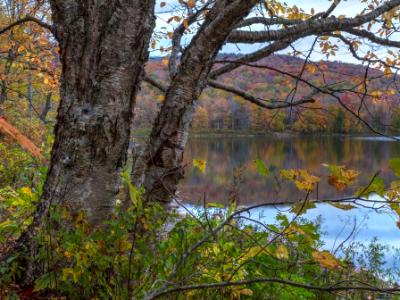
x,y
141,133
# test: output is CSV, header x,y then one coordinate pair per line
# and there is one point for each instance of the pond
x,y
224,155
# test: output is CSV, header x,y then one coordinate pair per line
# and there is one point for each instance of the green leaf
x,y
45,282
376,186
301,207
395,166
134,193
216,205
261,167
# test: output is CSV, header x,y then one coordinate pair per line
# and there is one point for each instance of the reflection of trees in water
x,y
223,154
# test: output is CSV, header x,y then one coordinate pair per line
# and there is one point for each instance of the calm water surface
x,y
224,155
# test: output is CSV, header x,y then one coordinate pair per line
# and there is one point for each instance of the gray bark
x,y
46,108
103,51
29,94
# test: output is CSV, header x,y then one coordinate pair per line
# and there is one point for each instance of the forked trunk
x,y
160,168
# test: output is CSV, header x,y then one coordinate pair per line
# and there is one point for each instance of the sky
x,y
349,8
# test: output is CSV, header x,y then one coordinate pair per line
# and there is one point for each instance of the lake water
x,y
224,155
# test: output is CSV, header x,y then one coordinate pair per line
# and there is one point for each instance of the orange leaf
x,y
22,140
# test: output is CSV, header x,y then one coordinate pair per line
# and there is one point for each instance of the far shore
x,y
254,133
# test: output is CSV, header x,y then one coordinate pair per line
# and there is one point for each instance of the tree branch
x,y
372,37
255,100
252,57
310,27
241,93
155,83
268,21
25,20
218,285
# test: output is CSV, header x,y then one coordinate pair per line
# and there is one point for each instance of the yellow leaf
x,y
21,49
376,94
311,68
186,23
326,259
301,178
200,165
165,61
282,252
388,71
246,292
27,191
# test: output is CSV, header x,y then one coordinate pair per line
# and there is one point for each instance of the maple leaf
x,y
200,165
326,259
340,177
301,178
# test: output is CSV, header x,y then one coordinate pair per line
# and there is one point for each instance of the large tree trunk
x,y
160,168
103,48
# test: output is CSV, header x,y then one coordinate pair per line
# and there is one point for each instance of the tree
x,y
160,169
103,49
338,124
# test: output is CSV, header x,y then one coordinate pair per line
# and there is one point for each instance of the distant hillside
x,y
219,110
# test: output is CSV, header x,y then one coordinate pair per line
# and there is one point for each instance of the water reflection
x,y
224,154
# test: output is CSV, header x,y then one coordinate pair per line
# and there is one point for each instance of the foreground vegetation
x,y
208,252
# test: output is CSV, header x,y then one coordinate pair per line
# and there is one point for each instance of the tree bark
x,y
46,108
160,168
103,48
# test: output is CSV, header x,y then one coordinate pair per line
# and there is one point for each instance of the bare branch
x,y
252,57
255,100
155,83
332,288
329,11
177,37
268,21
373,38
